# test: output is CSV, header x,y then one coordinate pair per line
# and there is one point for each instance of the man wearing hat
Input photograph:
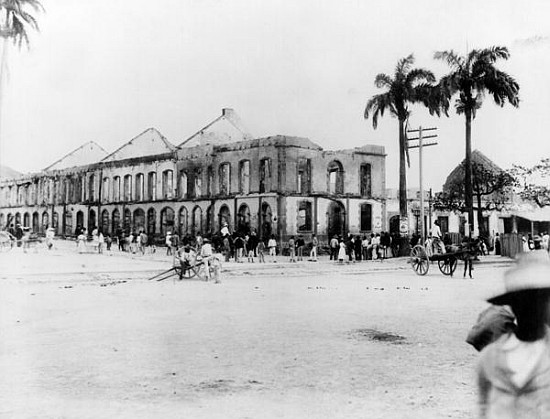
x,y
514,371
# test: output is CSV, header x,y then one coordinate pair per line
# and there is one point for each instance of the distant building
x,y
275,185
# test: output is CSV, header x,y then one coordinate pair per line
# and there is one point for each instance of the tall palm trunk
x,y
402,170
468,192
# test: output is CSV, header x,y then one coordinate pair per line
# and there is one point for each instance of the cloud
x,y
532,41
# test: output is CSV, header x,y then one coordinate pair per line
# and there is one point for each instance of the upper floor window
x,y
198,182
152,186
210,181
139,187
304,176
116,188
105,189
365,180
265,175
91,188
128,187
167,184
225,177
183,184
335,177
244,177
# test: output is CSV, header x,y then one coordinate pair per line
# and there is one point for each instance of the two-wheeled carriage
x,y
422,256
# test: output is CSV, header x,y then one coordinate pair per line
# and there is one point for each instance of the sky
x,y
106,70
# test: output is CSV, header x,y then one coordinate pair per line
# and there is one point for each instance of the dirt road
x,y
281,341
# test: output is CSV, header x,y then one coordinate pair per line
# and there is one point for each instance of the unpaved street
x,y
90,336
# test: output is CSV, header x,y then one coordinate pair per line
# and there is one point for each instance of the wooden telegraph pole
x,y
420,145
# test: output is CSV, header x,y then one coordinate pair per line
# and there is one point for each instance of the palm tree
x,y
471,77
408,86
15,21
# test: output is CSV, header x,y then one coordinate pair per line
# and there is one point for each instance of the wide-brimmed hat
x,y
532,272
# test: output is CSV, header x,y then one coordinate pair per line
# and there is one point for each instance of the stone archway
x,y
336,219
243,219
266,227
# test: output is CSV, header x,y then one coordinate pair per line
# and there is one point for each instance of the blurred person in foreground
x,y
514,370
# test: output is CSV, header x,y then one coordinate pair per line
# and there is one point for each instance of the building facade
x,y
277,185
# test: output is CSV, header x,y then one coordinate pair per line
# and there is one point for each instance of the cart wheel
x,y
188,273
447,266
419,260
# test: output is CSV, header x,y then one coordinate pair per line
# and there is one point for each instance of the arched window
x,y
243,219
183,185
167,184
105,192
365,180
225,178
116,189
151,222
46,219
183,221
26,220
304,220
197,221
55,221
335,177
210,181
128,187
91,188
366,217
166,220
244,177
139,187
198,182
152,186
265,175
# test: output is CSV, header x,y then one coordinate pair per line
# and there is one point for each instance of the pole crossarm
x,y
423,137
423,145
422,129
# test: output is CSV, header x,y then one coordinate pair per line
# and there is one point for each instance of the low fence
x,y
511,244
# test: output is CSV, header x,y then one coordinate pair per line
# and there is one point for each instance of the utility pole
x,y
420,145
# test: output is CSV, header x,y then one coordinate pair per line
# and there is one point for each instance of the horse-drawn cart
x,y
447,262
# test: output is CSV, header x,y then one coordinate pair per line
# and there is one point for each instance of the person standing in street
x,y
313,252
334,248
272,246
292,249
300,248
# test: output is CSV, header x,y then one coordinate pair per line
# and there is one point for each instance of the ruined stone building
x,y
276,185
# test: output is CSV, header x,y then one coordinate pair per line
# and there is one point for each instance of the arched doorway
x,y
336,219
182,221
26,220
45,220
36,223
151,222
115,222
92,221
394,225
197,221
166,221
139,220
79,221
210,219
266,226
105,222
224,216
243,219
127,220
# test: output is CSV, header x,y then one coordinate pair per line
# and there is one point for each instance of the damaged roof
x,y
149,142
86,154
227,128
